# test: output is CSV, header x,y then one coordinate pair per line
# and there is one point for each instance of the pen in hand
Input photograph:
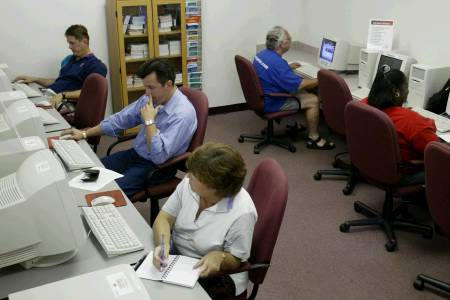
x,y
162,258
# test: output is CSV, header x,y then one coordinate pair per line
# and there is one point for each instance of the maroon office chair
x,y
335,94
162,182
90,107
254,96
268,188
374,150
437,174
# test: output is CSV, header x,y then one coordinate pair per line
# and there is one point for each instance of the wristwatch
x,y
149,122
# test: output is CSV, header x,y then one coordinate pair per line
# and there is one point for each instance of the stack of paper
x,y
175,47
178,78
134,81
137,50
164,49
165,23
137,25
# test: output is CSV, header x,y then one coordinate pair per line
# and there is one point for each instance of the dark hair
x,y
78,31
219,167
164,71
381,94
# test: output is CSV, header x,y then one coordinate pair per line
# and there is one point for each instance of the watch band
x,y
83,133
149,122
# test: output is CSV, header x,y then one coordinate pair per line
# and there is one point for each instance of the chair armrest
x,y
280,95
244,267
175,160
120,139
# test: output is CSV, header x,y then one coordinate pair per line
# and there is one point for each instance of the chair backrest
x,y
437,174
251,87
372,143
200,102
91,105
268,188
335,94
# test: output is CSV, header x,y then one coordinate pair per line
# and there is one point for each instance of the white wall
x,y
421,27
235,27
32,33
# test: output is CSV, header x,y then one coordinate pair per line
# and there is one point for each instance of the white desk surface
x,y
91,256
59,126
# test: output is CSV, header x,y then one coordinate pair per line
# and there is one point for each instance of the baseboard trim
x,y
228,108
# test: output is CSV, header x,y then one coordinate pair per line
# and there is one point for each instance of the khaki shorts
x,y
294,104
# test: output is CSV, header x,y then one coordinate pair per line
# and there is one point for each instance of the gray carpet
x,y
312,258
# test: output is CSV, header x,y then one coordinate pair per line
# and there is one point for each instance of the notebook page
x,y
182,272
148,271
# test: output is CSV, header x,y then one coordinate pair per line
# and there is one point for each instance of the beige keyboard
x,y
442,123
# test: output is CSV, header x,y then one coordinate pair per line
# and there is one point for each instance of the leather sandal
x,y
313,144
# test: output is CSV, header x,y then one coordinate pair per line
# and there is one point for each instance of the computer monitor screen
x,y
40,223
392,62
327,50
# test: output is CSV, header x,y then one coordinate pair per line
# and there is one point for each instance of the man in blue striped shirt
x,y
168,122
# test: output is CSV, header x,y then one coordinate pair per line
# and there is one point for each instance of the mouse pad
x,y
116,194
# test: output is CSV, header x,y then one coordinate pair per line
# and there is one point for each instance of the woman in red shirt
x,y
388,93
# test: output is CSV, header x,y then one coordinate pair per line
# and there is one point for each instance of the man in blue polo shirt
x,y
75,68
277,76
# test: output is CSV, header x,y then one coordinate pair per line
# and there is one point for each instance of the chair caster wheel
x,y
256,150
390,246
347,191
344,227
240,139
419,285
357,208
292,149
317,176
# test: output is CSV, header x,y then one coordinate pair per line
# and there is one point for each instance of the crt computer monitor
x,y
14,151
394,61
5,83
338,55
20,119
40,223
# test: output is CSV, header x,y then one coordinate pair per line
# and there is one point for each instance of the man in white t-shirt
x,y
212,218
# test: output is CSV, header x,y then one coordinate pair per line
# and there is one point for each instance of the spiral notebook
x,y
180,270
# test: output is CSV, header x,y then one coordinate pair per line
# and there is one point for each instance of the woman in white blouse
x,y
211,217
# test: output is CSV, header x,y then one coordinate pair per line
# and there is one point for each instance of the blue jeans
x,y
133,167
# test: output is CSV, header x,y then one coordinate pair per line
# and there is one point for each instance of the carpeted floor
x,y
312,258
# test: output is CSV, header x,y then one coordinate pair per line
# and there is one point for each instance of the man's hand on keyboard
x,y
56,100
72,134
294,65
24,79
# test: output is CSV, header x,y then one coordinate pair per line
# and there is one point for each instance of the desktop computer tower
x,y
367,60
424,81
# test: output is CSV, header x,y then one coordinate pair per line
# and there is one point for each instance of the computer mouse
x,y
103,200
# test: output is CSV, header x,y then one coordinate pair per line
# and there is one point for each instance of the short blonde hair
x,y
219,167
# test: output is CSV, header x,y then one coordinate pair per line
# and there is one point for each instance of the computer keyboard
x,y
307,70
47,118
111,230
72,155
360,93
29,91
442,123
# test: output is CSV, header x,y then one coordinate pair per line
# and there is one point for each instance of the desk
x,y
91,256
307,53
62,125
